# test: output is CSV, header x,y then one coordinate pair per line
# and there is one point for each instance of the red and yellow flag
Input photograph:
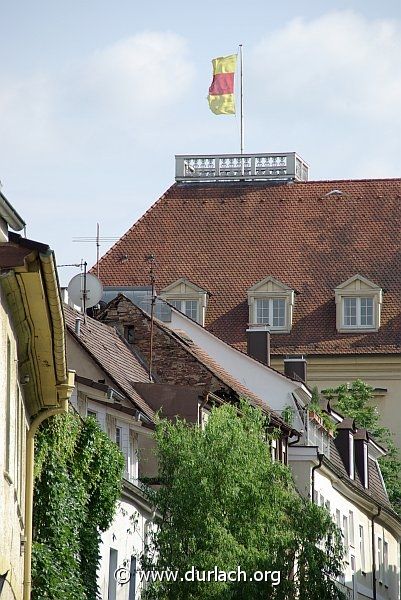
x,y
221,92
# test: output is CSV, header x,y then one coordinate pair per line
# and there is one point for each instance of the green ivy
x,y
78,475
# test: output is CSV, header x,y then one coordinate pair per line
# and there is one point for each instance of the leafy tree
x,y
224,503
78,474
356,401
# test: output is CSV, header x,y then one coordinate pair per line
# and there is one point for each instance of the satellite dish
x,y
76,290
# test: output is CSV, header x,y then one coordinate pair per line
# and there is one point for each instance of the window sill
x,y
357,329
264,326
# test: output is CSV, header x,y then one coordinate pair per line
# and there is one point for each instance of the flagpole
x,y
241,97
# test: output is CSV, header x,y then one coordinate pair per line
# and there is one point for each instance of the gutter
x,y
374,578
315,468
10,215
57,317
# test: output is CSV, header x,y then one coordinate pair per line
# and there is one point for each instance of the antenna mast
x,y
97,239
150,258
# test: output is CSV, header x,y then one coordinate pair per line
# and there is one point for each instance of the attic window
x,y
333,193
187,298
358,305
271,304
188,307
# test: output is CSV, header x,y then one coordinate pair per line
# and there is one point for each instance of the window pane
x,y
345,533
362,547
262,310
191,309
279,312
349,312
176,304
367,311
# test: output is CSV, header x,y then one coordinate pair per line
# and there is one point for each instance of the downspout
x,y
374,579
315,468
65,391
297,435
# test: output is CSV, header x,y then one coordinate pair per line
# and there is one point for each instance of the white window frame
x,y
345,530
358,325
271,289
133,462
351,527
380,562
183,302
271,300
385,562
362,549
358,287
119,437
183,290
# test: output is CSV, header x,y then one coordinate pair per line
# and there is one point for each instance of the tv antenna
x,y
151,259
97,239
85,290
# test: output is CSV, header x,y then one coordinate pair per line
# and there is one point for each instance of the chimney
x,y
78,326
344,442
295,367
258,344
361,439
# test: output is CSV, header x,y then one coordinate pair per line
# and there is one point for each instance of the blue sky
x,y
97,97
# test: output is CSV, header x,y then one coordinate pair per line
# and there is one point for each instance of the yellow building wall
x,y
12,463
378,371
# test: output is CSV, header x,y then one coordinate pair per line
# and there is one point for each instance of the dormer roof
x,y
228,236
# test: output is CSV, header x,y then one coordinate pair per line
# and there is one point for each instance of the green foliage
x,y
288,415
315,407
78,474
356,401
224,503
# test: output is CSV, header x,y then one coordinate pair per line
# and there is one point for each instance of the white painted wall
x,y
270,386
126,535
127,532
326,489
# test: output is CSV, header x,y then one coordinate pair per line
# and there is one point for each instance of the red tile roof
x,y
225,237
112,354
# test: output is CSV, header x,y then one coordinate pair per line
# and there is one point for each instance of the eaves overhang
x,y
10,215
34,301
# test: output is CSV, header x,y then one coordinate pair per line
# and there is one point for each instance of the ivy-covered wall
x,y
78,475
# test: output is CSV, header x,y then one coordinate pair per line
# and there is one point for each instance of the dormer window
x,y
188,307
270,310
188,298
271,304
358,304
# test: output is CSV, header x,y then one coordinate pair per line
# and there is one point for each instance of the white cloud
x,y
341,64
140,75
118,88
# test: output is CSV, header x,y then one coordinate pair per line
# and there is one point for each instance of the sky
x,y
97,97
